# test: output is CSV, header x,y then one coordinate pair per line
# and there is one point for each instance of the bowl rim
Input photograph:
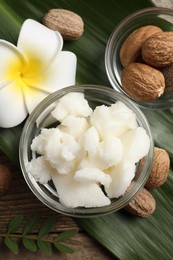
x,y
108,53
35,187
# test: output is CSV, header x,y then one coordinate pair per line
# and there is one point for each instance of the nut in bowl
x,y
79,162
138,58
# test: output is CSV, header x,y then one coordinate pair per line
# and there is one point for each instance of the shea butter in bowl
x,y
139,58
82,147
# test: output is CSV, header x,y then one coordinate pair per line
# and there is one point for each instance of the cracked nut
x,y
68,23
157,50
160,169
131,49
142,82
142,205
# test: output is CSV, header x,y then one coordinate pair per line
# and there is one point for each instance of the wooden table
x,y
20,200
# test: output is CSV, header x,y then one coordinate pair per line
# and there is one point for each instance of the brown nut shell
x,y
157,50
160,169
131,49
168,75
142,205
142,82
68,23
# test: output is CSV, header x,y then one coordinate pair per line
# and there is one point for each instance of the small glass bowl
x,y
41,118
161,17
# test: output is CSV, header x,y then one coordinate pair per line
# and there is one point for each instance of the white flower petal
x,y
61,73
39,45
12,63
12,106
32,97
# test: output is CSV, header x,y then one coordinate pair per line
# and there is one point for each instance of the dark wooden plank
x,y
85,249
20,200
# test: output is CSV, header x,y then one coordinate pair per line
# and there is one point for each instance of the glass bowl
x,y
161,17
41,117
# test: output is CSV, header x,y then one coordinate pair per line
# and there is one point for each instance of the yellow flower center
x,y
16,69
25,73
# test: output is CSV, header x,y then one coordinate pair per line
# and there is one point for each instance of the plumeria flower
x,y
32,70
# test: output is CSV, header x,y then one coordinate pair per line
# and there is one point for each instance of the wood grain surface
x,y
20,200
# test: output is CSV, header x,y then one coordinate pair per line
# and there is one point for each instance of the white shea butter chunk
x,y
72,104
40,169
60,149
92,175
91,141
136,144
101,120
87,163
121,176
107,154
63,155
90,155
110,152
76,126
102,155
125,115
111,121
74,194
40,141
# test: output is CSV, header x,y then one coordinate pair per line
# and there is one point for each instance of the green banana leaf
x,y
127,237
